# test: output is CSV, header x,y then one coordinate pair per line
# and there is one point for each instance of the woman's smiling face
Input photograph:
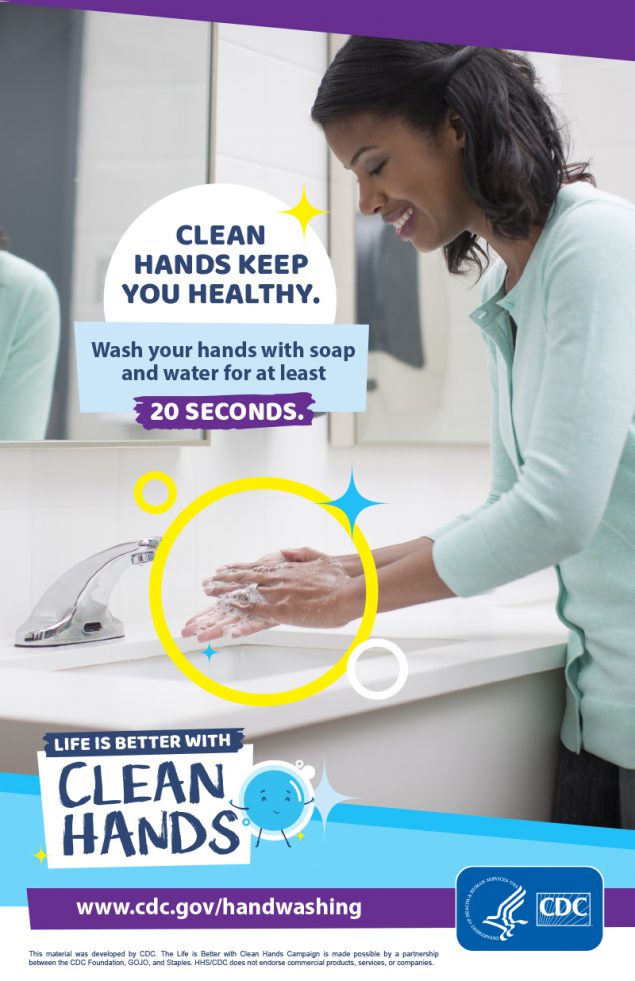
x,y
411,180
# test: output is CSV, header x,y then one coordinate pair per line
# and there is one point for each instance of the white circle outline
x,y
398,683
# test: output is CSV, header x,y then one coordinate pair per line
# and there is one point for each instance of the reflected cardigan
x,y
563,455
29,337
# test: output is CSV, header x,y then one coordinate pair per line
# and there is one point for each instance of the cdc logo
x,y
508,908
563,909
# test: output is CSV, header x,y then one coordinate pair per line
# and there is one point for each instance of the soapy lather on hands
x,y
305,588
300,587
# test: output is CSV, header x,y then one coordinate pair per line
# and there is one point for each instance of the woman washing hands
x,y
305,588
458,149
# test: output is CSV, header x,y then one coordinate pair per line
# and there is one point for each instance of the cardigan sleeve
x,y
585,405
502,473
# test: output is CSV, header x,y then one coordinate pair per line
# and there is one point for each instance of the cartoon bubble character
x,y
278,799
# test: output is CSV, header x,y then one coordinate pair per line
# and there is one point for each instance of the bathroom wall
x,y
595,97
60,503
143,134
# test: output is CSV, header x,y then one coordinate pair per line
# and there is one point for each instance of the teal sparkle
x,y
209,650
352,503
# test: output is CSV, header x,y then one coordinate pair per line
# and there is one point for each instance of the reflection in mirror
x,y
425,382
108,114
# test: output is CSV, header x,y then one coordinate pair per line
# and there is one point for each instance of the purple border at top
x,y
605,30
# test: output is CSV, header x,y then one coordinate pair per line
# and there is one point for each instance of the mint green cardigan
x,y
563,455
29,337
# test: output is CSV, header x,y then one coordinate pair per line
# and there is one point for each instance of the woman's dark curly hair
x,y
515,156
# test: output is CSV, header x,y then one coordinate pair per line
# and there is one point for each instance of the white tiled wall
x,y
143,133
59,504
267,83
595,96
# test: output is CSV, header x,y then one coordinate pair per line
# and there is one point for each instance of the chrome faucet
x,y
75,608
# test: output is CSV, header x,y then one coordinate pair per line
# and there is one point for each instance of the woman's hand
x,y
307,590
224,619
226,576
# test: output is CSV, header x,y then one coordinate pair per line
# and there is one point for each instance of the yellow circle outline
x,y
156,597
140,486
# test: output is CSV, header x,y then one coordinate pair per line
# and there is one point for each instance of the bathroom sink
x,y
494,685
230,665
258,663
131,683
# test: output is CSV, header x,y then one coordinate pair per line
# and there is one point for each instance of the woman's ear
x,y
455,124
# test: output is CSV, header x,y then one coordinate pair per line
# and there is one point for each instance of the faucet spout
x,y
74,610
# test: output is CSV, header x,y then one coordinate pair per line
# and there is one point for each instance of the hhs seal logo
x,y
505,908
483,895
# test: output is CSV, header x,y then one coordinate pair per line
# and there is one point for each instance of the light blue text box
x,y
102,388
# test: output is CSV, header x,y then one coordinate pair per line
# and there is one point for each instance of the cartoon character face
x,y
275,799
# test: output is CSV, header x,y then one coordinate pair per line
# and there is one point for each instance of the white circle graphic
x,y
398,683
219,253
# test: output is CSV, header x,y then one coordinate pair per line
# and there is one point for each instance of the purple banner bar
x,y
227,909
204,909
224,411
619,907
607,31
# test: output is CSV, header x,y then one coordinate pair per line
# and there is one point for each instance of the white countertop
x,y
509,633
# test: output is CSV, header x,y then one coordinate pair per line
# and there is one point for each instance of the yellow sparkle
x,y
300,836
304,211
41,855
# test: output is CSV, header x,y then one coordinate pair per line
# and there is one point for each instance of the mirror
x,y
108,113
425,382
